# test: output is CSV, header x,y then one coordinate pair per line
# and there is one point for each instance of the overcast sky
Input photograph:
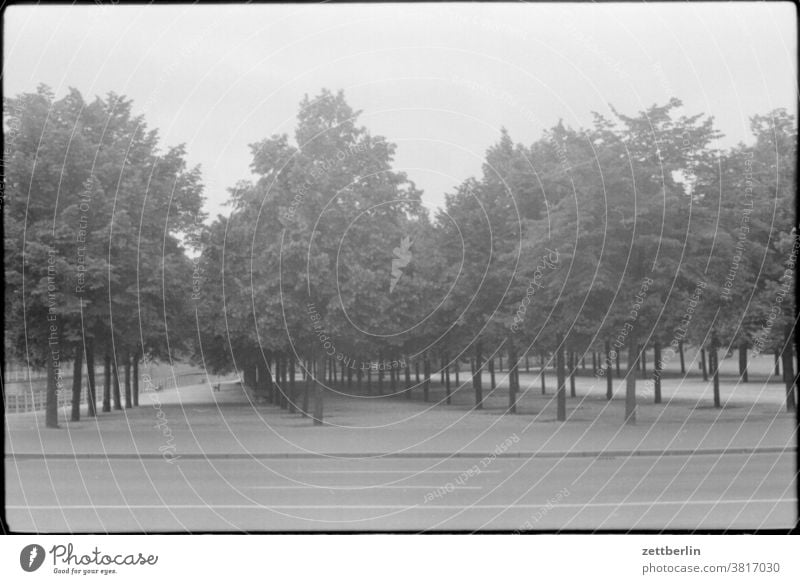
x,y
438,80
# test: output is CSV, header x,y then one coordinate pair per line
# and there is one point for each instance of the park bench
x,y
216,386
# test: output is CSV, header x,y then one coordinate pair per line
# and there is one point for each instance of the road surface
x,y
744,491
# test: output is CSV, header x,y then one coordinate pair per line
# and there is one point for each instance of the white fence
x,y
28,400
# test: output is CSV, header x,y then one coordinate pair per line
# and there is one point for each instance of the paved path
x,y
196,421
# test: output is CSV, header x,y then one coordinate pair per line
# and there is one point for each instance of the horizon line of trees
x,y
636,233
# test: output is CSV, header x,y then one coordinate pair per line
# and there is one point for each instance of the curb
x,y
600,454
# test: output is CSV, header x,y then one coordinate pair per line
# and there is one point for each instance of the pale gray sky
x,y
439,80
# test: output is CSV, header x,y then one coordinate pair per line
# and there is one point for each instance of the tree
x,y
319,225
621,232
773,310
74,176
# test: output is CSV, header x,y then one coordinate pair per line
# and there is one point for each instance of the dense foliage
x,y
635,233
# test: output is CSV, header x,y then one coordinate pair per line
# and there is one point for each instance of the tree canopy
x,y
637,231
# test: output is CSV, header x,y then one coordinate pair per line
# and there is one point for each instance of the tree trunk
x,y
541,373
349,377
513,376
280,379
426,388
308,381
500,364
249,379
272,391
458,370
713,363
416,371
477,381
630,380
369,380
619,374
77,382
285,362
381,373
583,361
319,388
561,392
136,379
527,364
683,362
302,401
279,387
441,368
657,372
703,367
777,363
292,385
788,370
609,382
594,363
91,394
643,357
743,361
408,379
51,405
115,375
128,396
447,381
261,386
285,380
107,383
573,360
275,372
492,383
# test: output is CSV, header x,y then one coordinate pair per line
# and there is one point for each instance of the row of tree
x,y
634,234
94,216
